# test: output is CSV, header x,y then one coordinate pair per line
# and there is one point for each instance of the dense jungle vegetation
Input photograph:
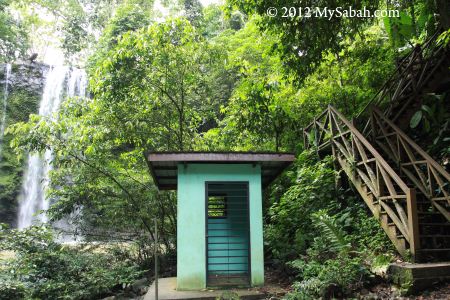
x,y
218,77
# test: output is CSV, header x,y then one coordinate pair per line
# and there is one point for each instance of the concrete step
x,y
167,291
418,276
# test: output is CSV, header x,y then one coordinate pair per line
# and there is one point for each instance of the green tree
x,y
256,115
13,36
148,93
157,76
194,12
129,16
300,44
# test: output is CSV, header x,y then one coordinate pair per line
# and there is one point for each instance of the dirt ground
x,y
278,284
387,291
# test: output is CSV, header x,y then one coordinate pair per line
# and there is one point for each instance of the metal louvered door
x,y
227,234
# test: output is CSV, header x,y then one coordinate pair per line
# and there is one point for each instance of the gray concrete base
x,y
417,277
167,291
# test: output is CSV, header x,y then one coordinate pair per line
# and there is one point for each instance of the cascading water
x,y
5,106
36,179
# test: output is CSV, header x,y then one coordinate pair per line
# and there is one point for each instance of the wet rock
x,y
25,76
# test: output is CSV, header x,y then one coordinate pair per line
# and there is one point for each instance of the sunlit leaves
x,y
303,40
155,79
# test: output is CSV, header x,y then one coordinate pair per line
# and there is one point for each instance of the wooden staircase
x,y
383,190
429,179
404,187
425,70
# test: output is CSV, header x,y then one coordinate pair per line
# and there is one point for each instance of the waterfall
x,y
32,199
5,105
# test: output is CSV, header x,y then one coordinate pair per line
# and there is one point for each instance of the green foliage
x,y
148,93
194,12
266,109
289,230
13,36
328,279
257,112
302,49
76,36
12,290
209,82
399,29
128,17
20,104
415,22
332,231
50,270
444,38
347,80
326,235
163,69
431,125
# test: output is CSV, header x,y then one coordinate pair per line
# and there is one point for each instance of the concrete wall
x,y
191,247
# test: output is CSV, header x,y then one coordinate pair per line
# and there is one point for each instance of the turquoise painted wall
x,y
191,243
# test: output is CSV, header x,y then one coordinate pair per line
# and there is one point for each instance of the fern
x,y
332,231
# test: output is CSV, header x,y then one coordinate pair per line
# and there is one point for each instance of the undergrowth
x,y
324,235
44,269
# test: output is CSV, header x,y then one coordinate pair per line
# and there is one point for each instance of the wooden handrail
x,y
379,185
435,175
374,152
376,99
413,144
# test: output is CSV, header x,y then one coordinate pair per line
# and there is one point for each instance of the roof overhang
x,y
164,165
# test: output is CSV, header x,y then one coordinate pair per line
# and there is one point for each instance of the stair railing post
x,y
337,181
316,136
355,157
413,223
372,122
305,139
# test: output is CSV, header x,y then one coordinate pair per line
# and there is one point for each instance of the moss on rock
x,y
25,91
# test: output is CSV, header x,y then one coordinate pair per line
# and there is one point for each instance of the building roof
x,y
164,165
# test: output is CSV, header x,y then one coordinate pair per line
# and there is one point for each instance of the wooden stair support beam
x,y
380,189
435,172
375,209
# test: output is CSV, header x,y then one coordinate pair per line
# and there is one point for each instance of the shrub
x,y
49,270
289,230
10,289
326,235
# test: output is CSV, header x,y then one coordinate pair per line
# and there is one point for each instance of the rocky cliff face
x,y
25,76
25,87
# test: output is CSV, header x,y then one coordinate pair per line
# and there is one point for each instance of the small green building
x,y
219,213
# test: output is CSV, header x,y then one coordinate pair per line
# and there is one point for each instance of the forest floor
x,y
388,291
278,284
